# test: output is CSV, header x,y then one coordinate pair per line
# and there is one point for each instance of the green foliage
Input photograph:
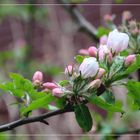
x,y
134,91
63,82
108,96
100,102
79,58
4,136
83,117
20,86
119,71
102,31
31,99
39,103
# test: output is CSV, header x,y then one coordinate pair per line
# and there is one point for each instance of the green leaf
x,y
9,86
83,117
20,86
102,31
79,58
134,90
97,100
63,82
134,66
108,97
40,103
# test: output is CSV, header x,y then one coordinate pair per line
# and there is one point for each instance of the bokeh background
x,y
42,35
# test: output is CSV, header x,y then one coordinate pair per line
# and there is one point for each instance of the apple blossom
x,y
126,15
57,92
92,51
108,17
37,77
89,67
101,72
117,41
129,59
50,85
103,39
102,51
69,70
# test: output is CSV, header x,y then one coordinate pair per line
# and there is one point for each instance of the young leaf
x,y
9,86
63,82
79,58
102,31
40,103
19,86
83,117
108,97
134,90
97,100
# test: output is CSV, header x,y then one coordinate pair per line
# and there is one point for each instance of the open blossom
x,y
92,51
69,70
57,92
129,59
37,77
83,52
117,41
89,67
49,85
103,39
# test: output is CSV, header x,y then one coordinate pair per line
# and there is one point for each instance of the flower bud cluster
x,y
110,47
89,75
47,86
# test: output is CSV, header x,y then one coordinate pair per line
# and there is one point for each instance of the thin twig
x,y
81,21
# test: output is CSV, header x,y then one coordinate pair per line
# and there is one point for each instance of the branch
x,y
83,24
40,118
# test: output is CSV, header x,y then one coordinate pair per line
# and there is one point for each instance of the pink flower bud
x,y
126,15
94,84
92,51
101,55
103,39
102,51
37,77
50,85
101,72
109,18
46,90
83,52
57,92
129,59
69,70
110,57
